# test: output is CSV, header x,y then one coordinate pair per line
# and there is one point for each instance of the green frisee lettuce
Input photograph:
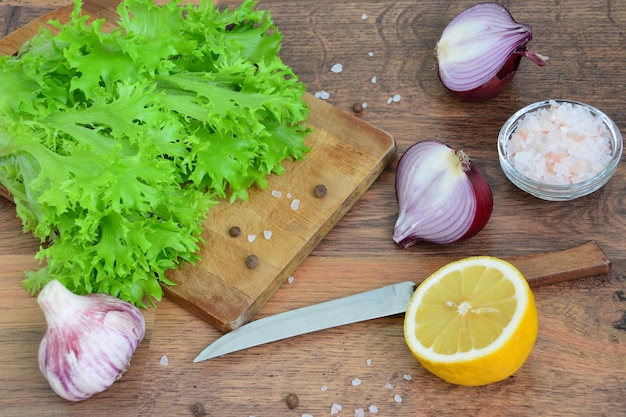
x,y
115,143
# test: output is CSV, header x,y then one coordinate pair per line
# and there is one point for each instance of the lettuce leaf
x,y
116,143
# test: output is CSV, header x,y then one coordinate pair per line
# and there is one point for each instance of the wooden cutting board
x,y
280,225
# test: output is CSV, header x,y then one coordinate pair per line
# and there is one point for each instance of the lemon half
x,y
473,322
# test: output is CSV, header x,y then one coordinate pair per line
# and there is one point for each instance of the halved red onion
x,y
443,197
480,50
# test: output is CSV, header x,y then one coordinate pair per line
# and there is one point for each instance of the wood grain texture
x,y
578,366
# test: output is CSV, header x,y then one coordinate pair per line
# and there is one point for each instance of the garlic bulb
x,y
89,341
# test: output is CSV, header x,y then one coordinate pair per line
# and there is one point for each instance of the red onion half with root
x,y
480,50
443,197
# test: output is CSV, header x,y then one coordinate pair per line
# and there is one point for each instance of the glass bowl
x,y
557,192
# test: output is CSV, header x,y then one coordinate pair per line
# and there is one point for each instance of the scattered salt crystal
x,y
369,362
364,16
397,398
289,195
374,79
251,238
364,105
290,279
370,54
388,385
396,98
359,412
164,360
324,95
373,409
389,100
307,415
324,388
335,408
295,203
562,144
267,234
356,382
337,68
277,194
408,377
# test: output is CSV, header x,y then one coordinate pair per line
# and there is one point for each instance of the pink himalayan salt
x,y
563,144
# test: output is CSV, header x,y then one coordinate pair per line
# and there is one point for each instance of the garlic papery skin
x,y
89,341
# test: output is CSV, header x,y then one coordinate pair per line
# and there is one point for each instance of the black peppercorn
x,y
252,261
320,190
198,410
292,400
235,231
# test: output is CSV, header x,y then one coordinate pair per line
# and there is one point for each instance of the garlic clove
x,y
89,341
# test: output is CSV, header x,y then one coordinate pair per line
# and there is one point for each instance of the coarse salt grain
x,y
364,105
389,100
368,362
335,409
290,279
408,377
267,234
388,385
374,79
397,398
337,68
164,360
396,98
373,409
560,145
370,54
364,16
324,95
356,382
359,412
277,194
324,388
251,238
307,415
295,203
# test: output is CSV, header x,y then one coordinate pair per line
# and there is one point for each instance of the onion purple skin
x,y
481,193
484,200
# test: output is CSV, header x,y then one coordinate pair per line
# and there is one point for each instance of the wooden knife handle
x,y
581,261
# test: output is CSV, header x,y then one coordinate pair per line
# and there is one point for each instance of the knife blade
x,y
380,302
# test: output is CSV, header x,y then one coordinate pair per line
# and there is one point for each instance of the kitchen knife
x,y
581,261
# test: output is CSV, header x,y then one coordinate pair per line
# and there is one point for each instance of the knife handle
x,y
581,261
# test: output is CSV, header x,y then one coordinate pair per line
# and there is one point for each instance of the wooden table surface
x,y
578,366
